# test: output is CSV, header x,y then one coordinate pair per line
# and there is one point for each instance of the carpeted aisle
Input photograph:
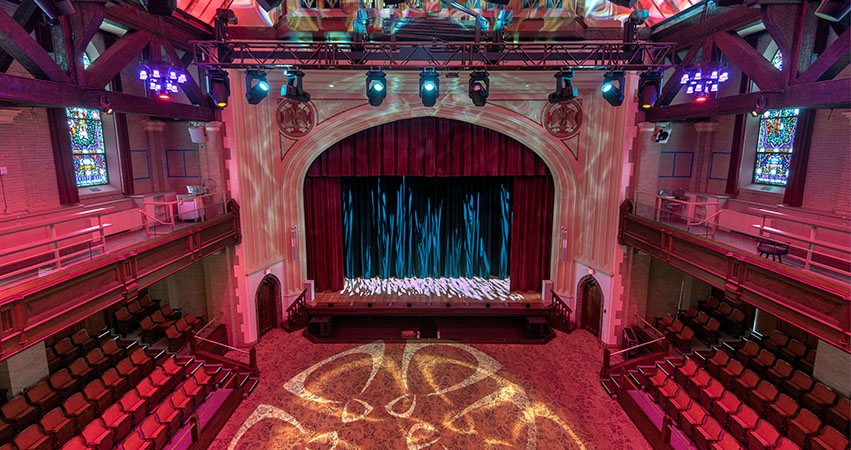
x,y
429,396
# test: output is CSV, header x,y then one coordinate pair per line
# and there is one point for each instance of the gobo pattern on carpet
x,y
420,395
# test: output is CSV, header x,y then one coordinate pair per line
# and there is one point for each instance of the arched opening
x,y
421,170
589,299
268,301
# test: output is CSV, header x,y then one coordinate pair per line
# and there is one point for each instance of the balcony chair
x,y
193,391
98,395
117,420
678,403
160,320
781,372
169,313
701,320
206,380
786,444
782,410
63,384
748,351
176,339
698,382
709,332
764,395
839,415
174,370
149,304
150,393
32,438
763,437
168,416
798,385
802,427
129,371
806,363
97,436
184,328
7,432
115,382
724,310
66,350
709,305
150,330
688,315
135,406
113,351
741,423
734,369
733,323
820,399
59,428
664,322
79,410
745,383
81,371
162,380
764,361
54,361
42,397
719,360
675,328
136,310
77,443
83,340
829,439
682,340
124,321
194,322
707,433
793,351
154,432
667,391
141,359
98,361
182,402
686,371
18,413
711,393
777,341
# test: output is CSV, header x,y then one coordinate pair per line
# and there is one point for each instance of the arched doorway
x,y
268,300
590,298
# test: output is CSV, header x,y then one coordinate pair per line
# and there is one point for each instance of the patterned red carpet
x,y
429,396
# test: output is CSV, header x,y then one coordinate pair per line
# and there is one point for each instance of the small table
x,y
537,327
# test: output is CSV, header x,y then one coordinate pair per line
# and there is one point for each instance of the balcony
x,y
70,266
765,258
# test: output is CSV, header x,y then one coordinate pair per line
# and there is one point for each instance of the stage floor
x,y
429,396
426,292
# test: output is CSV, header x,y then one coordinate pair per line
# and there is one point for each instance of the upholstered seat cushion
x,y
97,436
135,441
19,413
134,405
58,427
63,383
77,408
802,427
719,360
763,437
42,397
764,394
707,433
829,439
98,395
730,372
799,384
742,422
692,417
117,420
154,432
725,407
819,399
32,438
115,382
727,442
783,409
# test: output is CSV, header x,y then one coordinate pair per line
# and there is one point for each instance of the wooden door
x,y
267,313
592,307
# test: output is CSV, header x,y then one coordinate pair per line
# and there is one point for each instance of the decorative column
x,y
156,153
213,157
706,132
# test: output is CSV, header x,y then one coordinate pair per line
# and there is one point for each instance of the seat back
x,y
63,345
687,334
158,317
725,309
78,367
94,356
130,399
122,314
94,389
767,390
38,392
779,338
713,325
146,323
139,357
14,407
737,315
81,337
60,378
110,346
134,307
713,303
29,437
833,437
172,333
74,403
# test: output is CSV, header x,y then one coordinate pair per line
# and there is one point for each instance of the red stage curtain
x,y
794,194
531,232
324,232
66,180
429,147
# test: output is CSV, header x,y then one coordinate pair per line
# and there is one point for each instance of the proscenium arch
x,y
292,170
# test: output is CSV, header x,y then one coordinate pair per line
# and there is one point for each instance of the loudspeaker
x,y
160,7
198,134
662,133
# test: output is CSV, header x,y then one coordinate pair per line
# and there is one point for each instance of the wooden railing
x,y
627,364
296,314
213,356
560,315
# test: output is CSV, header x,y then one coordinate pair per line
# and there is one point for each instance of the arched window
x,y
775,142
87,146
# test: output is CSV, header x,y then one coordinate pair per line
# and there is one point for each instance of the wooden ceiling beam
x,y
691,28
176,30
18,43
31,92
822,94
830,62
190,88
115,58
749,60
672,86
28,15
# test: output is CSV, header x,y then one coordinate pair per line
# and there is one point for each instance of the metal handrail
x,y
152,217
714,215
648,324
223,345
210,322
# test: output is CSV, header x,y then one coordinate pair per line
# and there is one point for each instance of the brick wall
x,y
27,154
828,186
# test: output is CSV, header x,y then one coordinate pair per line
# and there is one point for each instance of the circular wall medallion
x,y
563,119
295,119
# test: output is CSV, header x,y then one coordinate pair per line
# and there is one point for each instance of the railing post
x,y
666,429
192,342
606,360
252,360
195,429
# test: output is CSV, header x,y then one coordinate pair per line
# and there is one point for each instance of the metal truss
x,y
578,55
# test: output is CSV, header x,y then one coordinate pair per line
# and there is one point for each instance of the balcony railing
x,y
810,245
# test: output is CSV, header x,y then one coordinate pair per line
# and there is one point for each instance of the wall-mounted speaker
x,y
662,132
198,135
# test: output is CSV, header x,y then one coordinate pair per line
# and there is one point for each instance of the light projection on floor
x,y
431,396
475,288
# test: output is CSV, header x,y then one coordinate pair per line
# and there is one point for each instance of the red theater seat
x,y
117,420
169,313
783,409
786,444
777,341
742,422
135,441
763,361
829,439
194,391
60,428
709,305
82,339
181,402
76,443
206,380
97,360
66,349
161,379
149,392
19,413
129,371
711,393
134,405
115,382
804,425
724,310
727,442
745,383
7,432
81,371
135,308
193,321
54,361
747,352
781,372
691,418
158,318
42,397
124,320
707,433
678,403
710,331
701,319
793,351
666,391
176,339
168,416
97,436
820,399
798,385
150,330
730,372
725,407
154,432
763,437
148,303
654,382
173,369
78,409
63,384
141,360
839,415
734,321
718,361
98,395
698,382
764,395
686,371
33,439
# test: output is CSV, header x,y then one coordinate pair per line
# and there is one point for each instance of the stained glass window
x,y
87,149
775,142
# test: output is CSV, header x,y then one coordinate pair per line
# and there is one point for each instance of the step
x,y
610,386
251,385
223,377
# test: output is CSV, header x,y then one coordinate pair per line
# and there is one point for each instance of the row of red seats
x,y
732,319
127,317
677,333
780,346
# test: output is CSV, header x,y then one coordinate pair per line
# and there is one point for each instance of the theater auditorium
x,y
425,224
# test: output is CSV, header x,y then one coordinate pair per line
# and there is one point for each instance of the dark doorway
x,y
268,298
592,306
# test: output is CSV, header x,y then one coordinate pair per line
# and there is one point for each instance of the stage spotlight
x,y
218,85
55,8
160,7
833,10
269,5
429,86
256,86
294,90
649,88
479,87
376,87
565,90
612,88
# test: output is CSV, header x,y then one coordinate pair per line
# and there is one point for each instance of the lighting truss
x,y
578,55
